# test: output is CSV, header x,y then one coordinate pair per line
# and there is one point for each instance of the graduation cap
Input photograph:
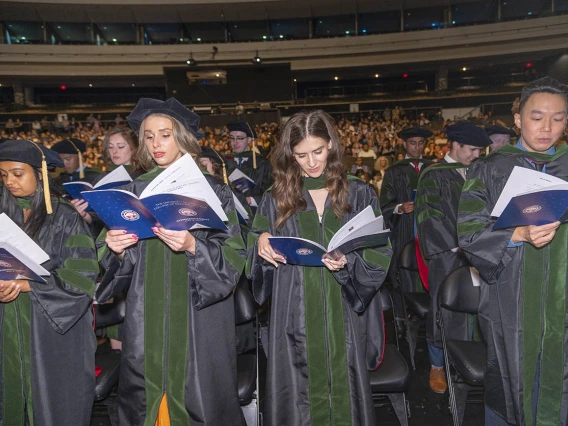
x,y
499,130
38,156
243,126
171,107
467,133
213,155
72,146
414,132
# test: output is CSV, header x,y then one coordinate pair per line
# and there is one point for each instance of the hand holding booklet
x,y
118,177
179,198
241,181
20,256
363,231
531,197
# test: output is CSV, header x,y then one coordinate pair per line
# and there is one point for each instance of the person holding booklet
x,y
178,358
247,161
325,327
46,327
523,306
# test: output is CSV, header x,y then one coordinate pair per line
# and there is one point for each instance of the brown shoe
x,y
438,382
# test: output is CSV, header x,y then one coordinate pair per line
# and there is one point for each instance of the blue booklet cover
x,y
76,188
298,251
243,184
123,210
537,208
11,268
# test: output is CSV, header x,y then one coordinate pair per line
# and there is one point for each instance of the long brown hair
x,y
129,136
288,185
185,141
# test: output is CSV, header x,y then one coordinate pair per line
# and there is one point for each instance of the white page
x,y
185,178
521,181
376,226
14,235
364,217
475,278
26,260
237,174
117,175
240,208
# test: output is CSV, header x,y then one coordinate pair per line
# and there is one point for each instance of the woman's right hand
x,y
119,240
266,252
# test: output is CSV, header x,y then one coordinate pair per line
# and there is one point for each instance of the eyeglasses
x,y
238,138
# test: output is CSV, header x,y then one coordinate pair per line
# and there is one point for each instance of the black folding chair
x,y
392,377
465,359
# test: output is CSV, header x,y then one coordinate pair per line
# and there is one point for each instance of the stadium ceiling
x,y
170,11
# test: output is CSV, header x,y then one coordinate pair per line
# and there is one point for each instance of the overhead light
x,y
257,59
90,84
198,39
464,69
336,78
264,37
191,62
114,40
133,85
376,75
281,36
217,75
295,80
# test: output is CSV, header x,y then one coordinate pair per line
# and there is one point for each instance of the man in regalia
x,y
437,202
246,158
523,309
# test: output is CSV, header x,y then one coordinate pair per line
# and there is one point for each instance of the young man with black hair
x,y
523,306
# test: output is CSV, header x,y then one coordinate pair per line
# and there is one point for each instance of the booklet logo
x,y
5,264
304,251
532,209
130,215
187,212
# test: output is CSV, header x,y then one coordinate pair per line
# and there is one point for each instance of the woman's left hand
x,y
81,207
10,290
335,265
176,240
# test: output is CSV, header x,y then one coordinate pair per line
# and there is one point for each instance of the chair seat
x,y
246,377
469,359
418,302
392,375
109,362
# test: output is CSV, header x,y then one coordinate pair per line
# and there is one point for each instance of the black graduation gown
x,y
437,201
47,343
179,330
326,330
399,182
91,176
262,175
523,310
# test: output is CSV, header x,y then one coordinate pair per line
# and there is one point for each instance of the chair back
x,y
245,309
407,257
458,293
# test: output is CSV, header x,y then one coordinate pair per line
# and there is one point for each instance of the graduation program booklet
x,y
179,198
20,256
531,197
363,231
241,181
118,177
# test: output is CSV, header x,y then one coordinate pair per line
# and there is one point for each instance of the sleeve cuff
x,y
511,244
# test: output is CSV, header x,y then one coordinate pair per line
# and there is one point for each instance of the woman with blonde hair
x,y
179,358
325,323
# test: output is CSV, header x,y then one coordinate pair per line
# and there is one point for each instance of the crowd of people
x,y
325,330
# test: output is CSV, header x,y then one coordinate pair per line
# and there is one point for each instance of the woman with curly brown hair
x,y
325,323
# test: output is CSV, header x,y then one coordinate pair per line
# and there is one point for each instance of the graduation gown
x,y
437,201
47,343
262,175
522,312
91,175
179,329
399,182
325,329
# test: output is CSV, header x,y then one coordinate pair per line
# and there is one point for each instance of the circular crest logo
x,y
5,264
304,251
187,212
532,209
130,215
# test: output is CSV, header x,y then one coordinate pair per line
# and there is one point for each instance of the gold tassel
x,y
81,171
253,148
46,193
224,168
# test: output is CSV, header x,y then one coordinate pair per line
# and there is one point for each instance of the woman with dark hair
x,y
47,344
178,358
326,323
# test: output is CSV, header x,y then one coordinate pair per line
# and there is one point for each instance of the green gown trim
x,y
511,150
543,327
328,379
